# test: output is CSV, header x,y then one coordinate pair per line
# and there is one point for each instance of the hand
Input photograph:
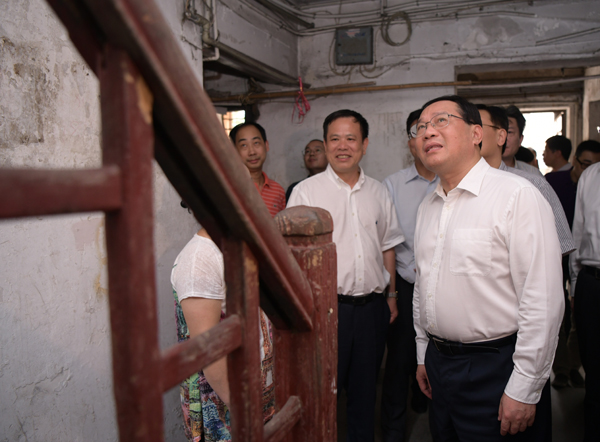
x,y
514,416
393,309
423,380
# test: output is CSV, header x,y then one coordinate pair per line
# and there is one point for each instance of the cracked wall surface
x,y
55,345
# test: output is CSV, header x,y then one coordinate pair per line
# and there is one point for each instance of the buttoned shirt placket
x,y
359,261
446,215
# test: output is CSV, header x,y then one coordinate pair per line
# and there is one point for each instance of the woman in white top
x,y
199,290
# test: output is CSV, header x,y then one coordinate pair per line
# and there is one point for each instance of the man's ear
x,y
364,146
477,133
501,139
267,146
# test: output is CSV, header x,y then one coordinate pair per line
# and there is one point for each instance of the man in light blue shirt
x,y
407,187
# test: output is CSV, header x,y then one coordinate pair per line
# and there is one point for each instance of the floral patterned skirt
x,y
205,415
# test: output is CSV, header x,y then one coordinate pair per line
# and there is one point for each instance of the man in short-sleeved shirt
x,y
488,299
250,140
365,231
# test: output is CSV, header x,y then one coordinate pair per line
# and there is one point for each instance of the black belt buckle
x,y
442,346
356,300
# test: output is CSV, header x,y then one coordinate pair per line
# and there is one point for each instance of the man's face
x,y
344,145
493,139
513,140
314,156
583,161
444,150
550,157
252,148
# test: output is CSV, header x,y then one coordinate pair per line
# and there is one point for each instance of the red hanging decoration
x,y
302,104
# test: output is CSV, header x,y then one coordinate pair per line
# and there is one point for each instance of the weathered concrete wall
x,y
431,54
591,92
55,353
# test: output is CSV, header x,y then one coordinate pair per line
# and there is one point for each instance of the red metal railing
x,y
153,107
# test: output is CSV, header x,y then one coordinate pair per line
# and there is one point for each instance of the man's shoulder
x,y
527,167
275,185
511,179
558,177
311,181
397,178
373,185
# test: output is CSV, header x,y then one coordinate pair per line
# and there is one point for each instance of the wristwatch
x,y
392,294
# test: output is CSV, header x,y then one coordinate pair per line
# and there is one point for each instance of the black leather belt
x,y
459,348
595,272
357,300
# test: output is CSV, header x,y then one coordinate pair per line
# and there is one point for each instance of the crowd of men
x,y
462,264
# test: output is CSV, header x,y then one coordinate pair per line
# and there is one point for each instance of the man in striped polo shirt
x,y
250,140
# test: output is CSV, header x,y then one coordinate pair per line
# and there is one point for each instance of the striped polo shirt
x,y
273,195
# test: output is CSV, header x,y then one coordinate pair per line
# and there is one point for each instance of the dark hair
x,y
346,113
558,142
498,117
235,130
412,117
514,112
525,155
590,145
468,111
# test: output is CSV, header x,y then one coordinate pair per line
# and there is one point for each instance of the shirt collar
x,y
267,180
413,174
340,182
471,182
503,167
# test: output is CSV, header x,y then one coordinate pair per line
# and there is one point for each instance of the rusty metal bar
x,y
243,364
283,422
334,90
127,139
197,142
183,360
31,192
306,363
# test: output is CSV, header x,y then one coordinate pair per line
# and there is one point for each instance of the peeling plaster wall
x,y
591,93
431,54
248,31
55,352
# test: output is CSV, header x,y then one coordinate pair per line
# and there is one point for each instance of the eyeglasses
x,y
315,151
584,164
438,122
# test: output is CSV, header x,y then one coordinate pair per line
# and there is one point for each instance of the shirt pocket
x,y
471,252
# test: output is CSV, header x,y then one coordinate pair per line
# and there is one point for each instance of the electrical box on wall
x,y
354,46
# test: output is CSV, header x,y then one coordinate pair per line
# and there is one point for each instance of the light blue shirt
x,y
408,189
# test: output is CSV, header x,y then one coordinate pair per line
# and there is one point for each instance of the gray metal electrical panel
x,y
354,46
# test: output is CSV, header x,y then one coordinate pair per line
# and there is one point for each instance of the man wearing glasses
x,y
315,162
407,187
564,182
488,299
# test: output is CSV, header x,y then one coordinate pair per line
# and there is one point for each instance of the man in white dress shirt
x,y
407,188
365,232
585,278
488,299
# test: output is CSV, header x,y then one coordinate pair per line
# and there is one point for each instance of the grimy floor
x,y
567,417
